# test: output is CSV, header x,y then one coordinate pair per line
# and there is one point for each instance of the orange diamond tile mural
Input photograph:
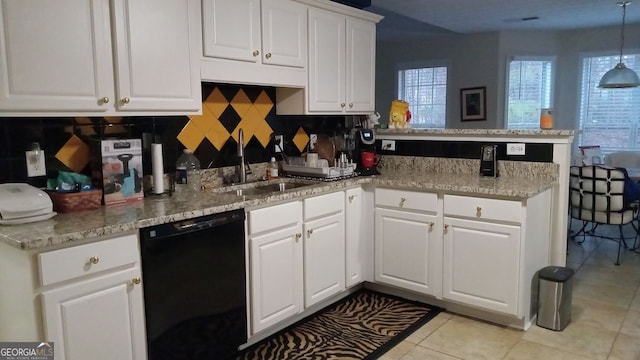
x,y
301,139
74,154
209,125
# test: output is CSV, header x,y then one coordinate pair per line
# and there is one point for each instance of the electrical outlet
x,y
389,145
279,143
35,163
515,149
313,138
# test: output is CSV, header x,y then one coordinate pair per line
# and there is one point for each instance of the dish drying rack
x,y
327,173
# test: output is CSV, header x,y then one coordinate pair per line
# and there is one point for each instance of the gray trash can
x,y
554,297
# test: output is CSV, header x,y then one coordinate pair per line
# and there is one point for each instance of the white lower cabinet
x,y
477,252
276,254
324,247
407,241
354,242
92,300
296,257
481,263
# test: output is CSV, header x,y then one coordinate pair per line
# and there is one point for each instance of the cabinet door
x,y
284,33
231,29
361,67
406,248
276,277
326,61
481,264
157,52
99,318
55,55
354,251
324,260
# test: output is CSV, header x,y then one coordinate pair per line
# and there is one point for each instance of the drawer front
x,y
274,217
76,261
411,200
482,208
323,205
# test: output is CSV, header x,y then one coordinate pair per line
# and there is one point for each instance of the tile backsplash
x,y
212,136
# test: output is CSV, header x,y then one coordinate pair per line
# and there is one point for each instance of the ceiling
x,y
475,16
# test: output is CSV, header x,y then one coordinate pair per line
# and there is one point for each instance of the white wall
x,y
481,60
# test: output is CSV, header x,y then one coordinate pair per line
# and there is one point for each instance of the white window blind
x,y
425,89
530,89
609,117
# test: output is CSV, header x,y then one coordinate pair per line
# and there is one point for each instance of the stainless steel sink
x,y
247,191
265,189
283,186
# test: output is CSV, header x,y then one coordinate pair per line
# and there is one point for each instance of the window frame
x,y
580,84
552,58
410,65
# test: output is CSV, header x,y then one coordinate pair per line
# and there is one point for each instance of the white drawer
x,y
483,208
411,200
69,263
323,205
274,217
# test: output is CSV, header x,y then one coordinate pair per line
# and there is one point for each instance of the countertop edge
x,y
40,243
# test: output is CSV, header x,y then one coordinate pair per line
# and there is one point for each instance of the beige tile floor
x,y
605,320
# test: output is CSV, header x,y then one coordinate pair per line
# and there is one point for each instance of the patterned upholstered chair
x,y
596,196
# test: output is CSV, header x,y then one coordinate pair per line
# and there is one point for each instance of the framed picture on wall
x,y
473,104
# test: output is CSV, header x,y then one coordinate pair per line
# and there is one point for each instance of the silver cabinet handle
x,y
309,232
125,100
351,197
298,236
94,260
402,200
136,281
104,100
431,225
256,53
478,211
350,105
342,105
446,226
268,56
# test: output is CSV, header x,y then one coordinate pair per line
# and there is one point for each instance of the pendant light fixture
x,y
620,76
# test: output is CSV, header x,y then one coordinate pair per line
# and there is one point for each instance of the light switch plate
x,y
313,138
35,163
389,145
515,149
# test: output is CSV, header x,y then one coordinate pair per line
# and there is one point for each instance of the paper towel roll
x,y
157,168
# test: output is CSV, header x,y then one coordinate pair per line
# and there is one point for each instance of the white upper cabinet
x,y
361,68
157,61
73,57
284,33
341,65
56,55
231,29
243,39
326,61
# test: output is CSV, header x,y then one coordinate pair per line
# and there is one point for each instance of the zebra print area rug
x,y
364,325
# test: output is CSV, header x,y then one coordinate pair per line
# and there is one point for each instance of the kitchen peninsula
x,y
523,200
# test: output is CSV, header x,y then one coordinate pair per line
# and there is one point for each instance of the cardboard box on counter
x,y
116,167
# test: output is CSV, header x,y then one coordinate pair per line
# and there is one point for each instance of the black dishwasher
x,y
195,287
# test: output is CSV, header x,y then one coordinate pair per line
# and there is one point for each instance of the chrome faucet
x,y
243,168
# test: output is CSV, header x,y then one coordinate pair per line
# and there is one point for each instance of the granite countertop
x,y
156,210
492,132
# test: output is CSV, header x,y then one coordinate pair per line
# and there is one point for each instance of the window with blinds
x,y
609,117
425,89
529,90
